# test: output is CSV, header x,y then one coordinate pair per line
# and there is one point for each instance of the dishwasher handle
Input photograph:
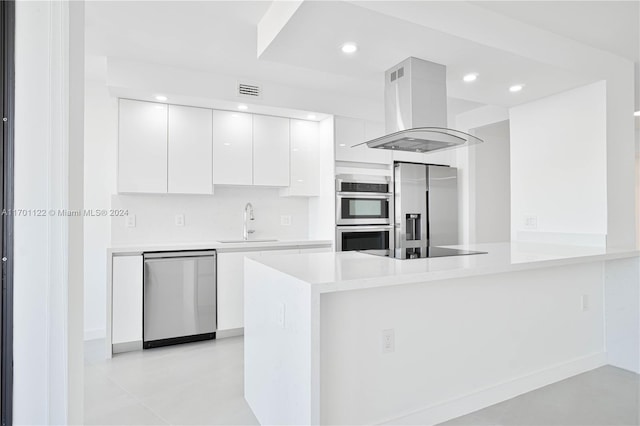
x,y
178,254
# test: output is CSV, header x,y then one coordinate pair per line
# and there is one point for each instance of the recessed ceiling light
x,y
470,77
242,107
343,144
311,116
516,88
637,113
349,48
161,98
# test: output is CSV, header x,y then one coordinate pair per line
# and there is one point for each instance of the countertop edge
x,y
219,247
422,277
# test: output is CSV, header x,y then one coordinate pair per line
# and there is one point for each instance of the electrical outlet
x,y
531,222
388,341
285,220
130,221
180,219
584,302
282,312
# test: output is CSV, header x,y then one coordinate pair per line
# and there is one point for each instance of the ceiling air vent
x,y
249,90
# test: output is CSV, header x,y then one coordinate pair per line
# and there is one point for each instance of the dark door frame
x,y
7,87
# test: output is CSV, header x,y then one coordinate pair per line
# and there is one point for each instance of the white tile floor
x,y
202,383
197,383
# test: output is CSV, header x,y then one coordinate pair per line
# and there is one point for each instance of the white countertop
x,y
330,272
217,245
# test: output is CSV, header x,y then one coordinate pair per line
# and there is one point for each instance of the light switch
x,y
531,222
285,220
130,221
180,219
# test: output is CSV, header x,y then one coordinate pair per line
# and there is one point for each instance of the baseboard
x,y
233,332
482,398
95,333
118,348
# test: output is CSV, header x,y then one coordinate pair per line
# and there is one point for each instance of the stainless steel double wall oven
x,y
364,213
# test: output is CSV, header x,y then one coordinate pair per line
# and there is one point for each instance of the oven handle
x,y
362,228
375,195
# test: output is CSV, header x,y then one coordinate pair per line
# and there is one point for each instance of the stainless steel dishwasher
x,y
179,297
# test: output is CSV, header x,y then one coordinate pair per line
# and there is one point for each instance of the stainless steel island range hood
x,y
416,110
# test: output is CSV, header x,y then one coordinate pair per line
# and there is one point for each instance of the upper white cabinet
x,y
187,150
270,151
305,166
232,148
142,147
190,150
352,131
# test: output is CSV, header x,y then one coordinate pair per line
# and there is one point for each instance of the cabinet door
x,y
231,290
232,148
351,131
142,147
270,151
126,299
305,164
190,150
231,286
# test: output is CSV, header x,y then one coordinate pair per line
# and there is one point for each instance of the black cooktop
x,y
425,252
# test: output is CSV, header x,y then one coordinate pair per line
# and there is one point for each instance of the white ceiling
x,y
312,37
608,25
215,36
221,37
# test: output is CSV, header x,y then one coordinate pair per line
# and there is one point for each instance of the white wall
x,y
209,218
48,360
322,213
467,165
101,112
559,167
637,185
492,184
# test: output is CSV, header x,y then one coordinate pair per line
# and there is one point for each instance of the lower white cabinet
x,y
231,290
126,310
127,291
231,284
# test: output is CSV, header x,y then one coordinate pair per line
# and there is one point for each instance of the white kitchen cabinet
x,y
190,163
127,274
305,165
142,147
231,286
231,290
270,151
352,131
232,148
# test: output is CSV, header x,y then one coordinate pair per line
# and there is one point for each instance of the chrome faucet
x,y
248,214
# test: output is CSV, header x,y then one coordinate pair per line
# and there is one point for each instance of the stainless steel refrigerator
x,y
425,208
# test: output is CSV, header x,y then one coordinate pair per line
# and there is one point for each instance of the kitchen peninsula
x,y
352,338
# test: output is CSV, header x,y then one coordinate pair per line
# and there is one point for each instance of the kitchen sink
x,y
246,241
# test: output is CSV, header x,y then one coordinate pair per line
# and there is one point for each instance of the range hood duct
x,y
415,98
